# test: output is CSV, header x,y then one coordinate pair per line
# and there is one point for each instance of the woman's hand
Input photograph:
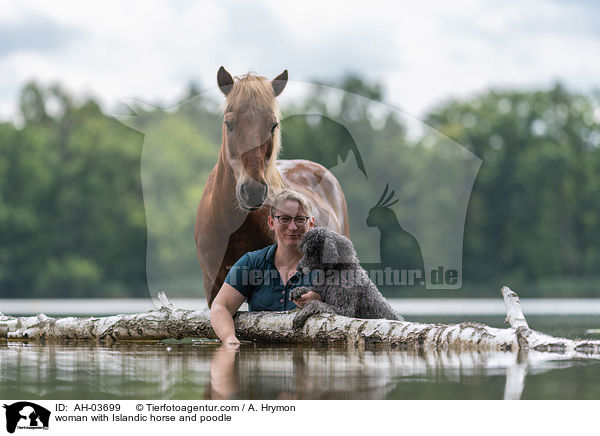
x,y
305,298
231,342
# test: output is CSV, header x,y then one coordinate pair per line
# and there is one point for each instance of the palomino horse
x,y
232,215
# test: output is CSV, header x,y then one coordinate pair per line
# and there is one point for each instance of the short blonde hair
x,y
285,194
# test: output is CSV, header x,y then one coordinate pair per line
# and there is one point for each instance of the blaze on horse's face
x,y
250,136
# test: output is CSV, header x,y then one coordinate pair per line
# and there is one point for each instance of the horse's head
x,y
251,137
381,212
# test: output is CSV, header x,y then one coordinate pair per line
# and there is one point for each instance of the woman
x,y
265,277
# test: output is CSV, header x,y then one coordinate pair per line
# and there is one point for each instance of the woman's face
x,y
290,234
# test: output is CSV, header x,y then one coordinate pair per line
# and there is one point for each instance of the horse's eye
x,y
274,127
230,126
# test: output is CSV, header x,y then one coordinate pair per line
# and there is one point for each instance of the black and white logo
x,y
26,415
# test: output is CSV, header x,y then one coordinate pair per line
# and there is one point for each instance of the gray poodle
x,y
343,284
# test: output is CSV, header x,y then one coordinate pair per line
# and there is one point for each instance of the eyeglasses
x,y
286,219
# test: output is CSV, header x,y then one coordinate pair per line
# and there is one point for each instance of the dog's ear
x,y
302,245
330,252
306,241
345,249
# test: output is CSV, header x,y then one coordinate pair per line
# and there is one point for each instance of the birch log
x,y
276,327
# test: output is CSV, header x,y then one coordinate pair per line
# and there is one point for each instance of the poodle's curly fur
x,y
343,284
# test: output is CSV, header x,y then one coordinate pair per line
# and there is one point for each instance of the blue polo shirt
x,y
255,276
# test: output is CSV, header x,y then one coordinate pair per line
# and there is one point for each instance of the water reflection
x,y
205,370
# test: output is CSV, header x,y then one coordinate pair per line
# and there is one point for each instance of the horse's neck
x,y
224,206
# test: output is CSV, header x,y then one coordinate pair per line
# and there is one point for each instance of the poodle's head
x,y
324,249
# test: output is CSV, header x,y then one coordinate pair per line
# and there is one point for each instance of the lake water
x,y
202,369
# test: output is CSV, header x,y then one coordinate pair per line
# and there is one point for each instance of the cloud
x,y
34,32
422,52
256,36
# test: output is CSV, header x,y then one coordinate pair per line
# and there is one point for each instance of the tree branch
x,y
276,327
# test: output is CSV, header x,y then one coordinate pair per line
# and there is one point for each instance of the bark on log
x,y
168,322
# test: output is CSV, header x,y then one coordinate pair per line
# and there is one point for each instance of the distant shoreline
x,y
406,306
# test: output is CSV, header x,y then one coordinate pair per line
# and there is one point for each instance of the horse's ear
x,y
224,80
279,82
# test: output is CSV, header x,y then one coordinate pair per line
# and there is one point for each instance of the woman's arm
x,y
224,306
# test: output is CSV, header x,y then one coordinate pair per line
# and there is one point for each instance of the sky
x,y
421,52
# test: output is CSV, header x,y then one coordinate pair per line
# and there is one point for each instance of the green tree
x,y
531,211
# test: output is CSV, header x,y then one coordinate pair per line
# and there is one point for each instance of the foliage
x,y
533,210
72,220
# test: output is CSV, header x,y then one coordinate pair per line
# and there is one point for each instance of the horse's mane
x,y
257,92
